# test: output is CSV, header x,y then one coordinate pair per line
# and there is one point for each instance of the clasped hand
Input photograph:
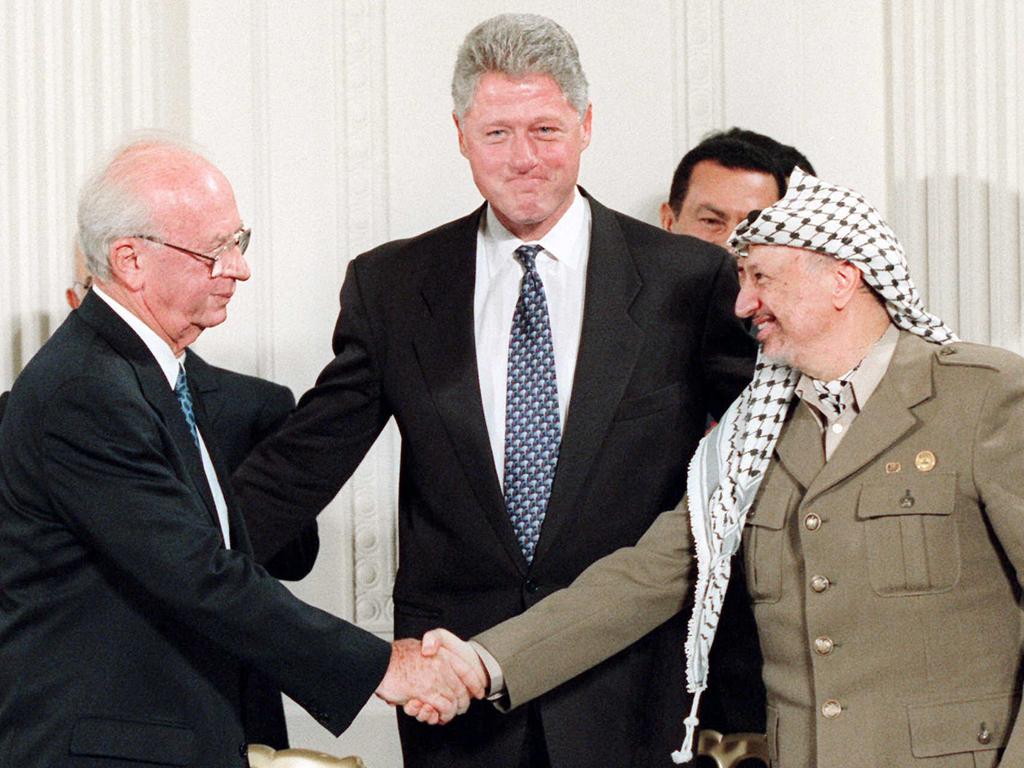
x,y
434,679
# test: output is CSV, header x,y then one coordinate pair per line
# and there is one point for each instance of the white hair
x,y
519,44
111,204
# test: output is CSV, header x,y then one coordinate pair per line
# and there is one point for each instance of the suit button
x,y
831,709
812,522
823,645
531,586
984,735
820,584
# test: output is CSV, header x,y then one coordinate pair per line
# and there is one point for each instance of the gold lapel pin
x,y
892,467
925,461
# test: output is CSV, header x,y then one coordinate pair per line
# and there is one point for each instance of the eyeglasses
x,y
239,238
81,287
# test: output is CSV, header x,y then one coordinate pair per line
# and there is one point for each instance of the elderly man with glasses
x,y
131,611
242,410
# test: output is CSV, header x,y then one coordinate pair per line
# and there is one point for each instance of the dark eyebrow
x,y
712,209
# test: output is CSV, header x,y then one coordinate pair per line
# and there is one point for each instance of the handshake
x,y
434,679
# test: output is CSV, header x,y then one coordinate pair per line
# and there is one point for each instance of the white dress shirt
x,y
170,366
562,266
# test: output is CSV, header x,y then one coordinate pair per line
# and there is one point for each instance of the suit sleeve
x,y
292,476
609,606
115,483
999,448
728,349
297,557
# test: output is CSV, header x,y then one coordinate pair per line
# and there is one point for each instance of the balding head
x,y
147,220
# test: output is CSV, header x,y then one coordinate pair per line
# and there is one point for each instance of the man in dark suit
x,y
577,424
241,411
130,608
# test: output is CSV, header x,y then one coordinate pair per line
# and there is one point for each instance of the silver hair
x,y
111,204
519,44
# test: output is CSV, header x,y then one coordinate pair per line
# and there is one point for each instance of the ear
x,y
126,263
72,298
585,126
847,280
668,217
462,138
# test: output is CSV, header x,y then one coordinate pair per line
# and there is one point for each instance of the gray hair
x,y
518,44
111,204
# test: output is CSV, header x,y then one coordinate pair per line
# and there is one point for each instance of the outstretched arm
x,y
611,605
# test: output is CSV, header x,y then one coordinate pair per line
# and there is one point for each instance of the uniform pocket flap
x,y
148,742
771,506
922,495
962,726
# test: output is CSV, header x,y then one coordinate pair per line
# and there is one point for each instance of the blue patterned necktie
x,y
532,427
185,401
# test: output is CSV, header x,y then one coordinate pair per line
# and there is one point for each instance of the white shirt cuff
x,y
497,687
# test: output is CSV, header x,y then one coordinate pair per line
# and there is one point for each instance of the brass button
x,y
925,461
892,467
907,501
984,735
820,583
823,645
812,522
831,709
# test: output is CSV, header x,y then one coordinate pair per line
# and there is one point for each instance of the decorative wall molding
x,y
957,116
363,165
697,75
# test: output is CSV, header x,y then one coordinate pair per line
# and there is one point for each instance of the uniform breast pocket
x,y
910,534
763,538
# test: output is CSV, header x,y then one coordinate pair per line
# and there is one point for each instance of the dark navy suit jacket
x,y
127,630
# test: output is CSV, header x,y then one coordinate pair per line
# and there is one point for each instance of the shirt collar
x,y
159,348
864,380
560,244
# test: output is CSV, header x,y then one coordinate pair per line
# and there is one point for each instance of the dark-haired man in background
x,y
725,177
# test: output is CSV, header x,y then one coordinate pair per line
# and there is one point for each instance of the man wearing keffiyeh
x,y
871,477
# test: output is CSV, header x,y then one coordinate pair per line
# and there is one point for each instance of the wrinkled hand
x,y
441,681
441,642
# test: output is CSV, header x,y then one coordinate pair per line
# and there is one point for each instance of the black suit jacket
x,y
126,627
660,347
241,411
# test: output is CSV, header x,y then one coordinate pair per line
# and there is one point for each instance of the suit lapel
x,y
887,416
446,348
204,384
154,387
610,342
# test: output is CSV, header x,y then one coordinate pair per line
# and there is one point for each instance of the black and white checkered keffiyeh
x,y
731,460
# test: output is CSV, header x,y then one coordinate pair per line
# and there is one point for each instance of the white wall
x,y
332,118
